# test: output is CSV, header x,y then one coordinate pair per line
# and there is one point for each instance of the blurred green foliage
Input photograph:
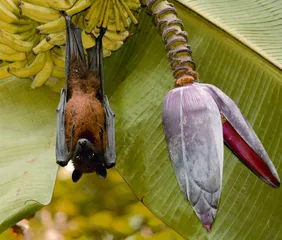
x,y
94,208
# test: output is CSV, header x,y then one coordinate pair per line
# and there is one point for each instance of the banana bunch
x,y
33,37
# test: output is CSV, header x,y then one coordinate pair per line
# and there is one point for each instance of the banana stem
x,y
175,40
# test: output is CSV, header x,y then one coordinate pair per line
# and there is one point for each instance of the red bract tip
x,y
247,155
207,227
241,138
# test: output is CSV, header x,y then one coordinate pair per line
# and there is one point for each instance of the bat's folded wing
x,y
74,48
61,146
95,64
110,154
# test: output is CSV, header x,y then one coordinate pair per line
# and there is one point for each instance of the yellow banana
x,y
80,21
35,39
60,51
15,43
75,19
6,15
58,72
56,4
57,38
113,26
56,84
2,63
61,4
42,46
31,69
101,17
24,36
38,2
42,76
111,45
11,6
134,5
112,12
19,56
90,11
79,6
106,16
54,26
87,40
30,57
106,53
116,36
122,14
130,14
6,49
58,60
116,14
14,28
93,15
4,69
38,13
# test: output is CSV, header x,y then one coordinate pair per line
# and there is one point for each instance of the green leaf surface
x,y
27,166
255,23
137,79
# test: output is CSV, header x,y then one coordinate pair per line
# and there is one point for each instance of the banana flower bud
x,y
196,117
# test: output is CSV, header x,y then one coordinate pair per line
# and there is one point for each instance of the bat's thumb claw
x,y
62,163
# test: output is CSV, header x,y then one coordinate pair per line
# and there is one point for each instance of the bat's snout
x,y
83,143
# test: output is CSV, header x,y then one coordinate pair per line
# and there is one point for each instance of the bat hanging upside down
x,y
85,121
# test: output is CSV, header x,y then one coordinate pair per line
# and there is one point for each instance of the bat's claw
x,y
62,163
102,32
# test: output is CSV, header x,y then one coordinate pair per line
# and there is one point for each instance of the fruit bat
x,y
85,121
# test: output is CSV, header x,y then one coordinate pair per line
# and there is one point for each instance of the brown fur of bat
x,y
84,111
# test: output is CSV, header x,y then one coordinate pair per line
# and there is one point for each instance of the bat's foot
x,y
102,32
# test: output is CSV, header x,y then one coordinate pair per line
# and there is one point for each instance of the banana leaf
x,y
237,47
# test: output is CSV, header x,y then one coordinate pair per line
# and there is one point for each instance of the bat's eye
x,y
92,155
77,157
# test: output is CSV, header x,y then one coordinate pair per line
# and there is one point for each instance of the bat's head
x,y
87,159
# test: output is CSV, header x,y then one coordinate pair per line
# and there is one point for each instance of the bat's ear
x,y
101,172
76,175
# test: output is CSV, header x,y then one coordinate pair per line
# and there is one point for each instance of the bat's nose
x,y
82,143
